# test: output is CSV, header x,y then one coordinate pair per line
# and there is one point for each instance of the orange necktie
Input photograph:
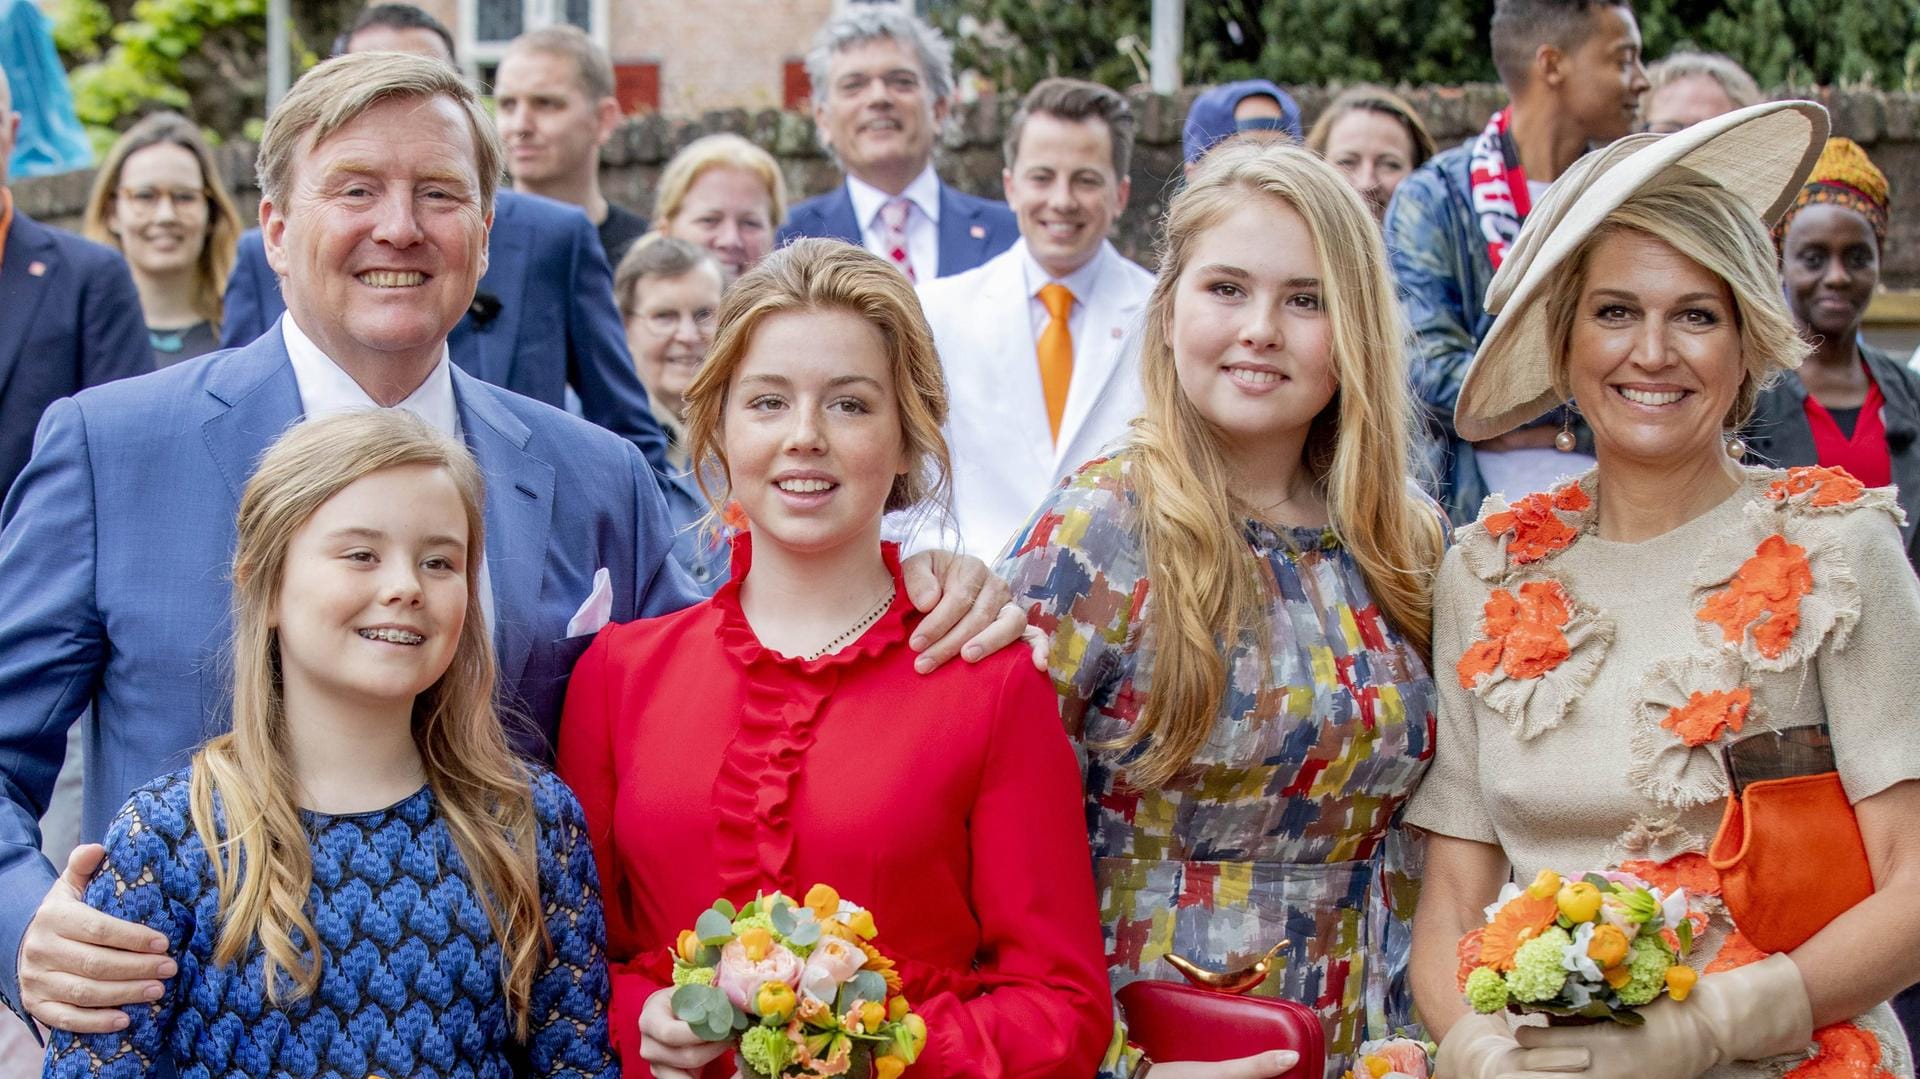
x,y
1056,353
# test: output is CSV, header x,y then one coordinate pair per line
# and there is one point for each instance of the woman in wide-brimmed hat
x,y
1603,641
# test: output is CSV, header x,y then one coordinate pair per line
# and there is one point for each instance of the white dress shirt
x,y
1080,282
923,220
326,390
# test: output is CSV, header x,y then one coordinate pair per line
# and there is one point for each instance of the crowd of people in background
x,y
461,532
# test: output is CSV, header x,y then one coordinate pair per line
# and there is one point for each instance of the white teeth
x,y
804,487
391,279
1258,378
392,636
1645,397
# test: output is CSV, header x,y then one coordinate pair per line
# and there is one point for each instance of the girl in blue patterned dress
x,y
1239,608
359,879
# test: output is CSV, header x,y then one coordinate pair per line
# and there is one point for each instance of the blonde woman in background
x,y
725,194
160,200
1375,139
1238,605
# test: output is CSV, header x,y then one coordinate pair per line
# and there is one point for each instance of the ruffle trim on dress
x,y
1529,531
1775,592
1686,708
779,719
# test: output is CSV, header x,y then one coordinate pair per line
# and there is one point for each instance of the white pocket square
x,y
597,611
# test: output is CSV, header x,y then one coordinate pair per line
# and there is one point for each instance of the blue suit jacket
x,y
972,230
73,324
556,324
114,560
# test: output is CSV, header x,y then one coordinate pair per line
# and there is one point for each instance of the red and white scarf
x,y
1500,196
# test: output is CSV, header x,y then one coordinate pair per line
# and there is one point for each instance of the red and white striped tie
x,y
893,218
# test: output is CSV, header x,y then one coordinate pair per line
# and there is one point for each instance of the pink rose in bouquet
x,y
833,963
750,961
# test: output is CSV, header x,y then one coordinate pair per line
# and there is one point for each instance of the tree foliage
x,y
1015,43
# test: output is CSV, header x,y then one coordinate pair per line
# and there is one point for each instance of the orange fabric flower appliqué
x,y
1845,1051
1735,952
1520,920
1830,486
1690,871
1525,634
1468,951
1537,530
1763,596
1706,716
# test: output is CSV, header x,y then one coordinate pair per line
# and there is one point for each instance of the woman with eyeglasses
x,y
160,200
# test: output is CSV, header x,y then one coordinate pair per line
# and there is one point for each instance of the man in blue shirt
x,y
882,84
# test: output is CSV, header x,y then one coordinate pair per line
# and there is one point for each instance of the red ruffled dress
x,y
948,803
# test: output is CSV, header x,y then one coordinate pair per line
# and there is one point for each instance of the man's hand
x,y
79,966
967,612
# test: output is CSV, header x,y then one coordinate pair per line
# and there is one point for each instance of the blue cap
x,y
1211,117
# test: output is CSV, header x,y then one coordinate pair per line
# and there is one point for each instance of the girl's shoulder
x,y
1096,505
163,804
553,801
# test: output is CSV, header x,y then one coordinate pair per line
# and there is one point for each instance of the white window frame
x,y
534,14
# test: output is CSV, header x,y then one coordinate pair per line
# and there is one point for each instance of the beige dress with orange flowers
x,y
1587,685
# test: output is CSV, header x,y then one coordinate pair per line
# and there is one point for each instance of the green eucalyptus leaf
x,y
867,985
713,928
783,920
806,934
725,908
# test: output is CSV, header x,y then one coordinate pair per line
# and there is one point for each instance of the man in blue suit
x,y
69,315
882,83
378,171
543,318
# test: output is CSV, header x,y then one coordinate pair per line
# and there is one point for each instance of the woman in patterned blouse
x,y
359,879
1238,605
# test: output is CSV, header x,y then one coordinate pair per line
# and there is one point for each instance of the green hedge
x,y
1874,43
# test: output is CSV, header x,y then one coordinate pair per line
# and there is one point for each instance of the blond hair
x,y
828,275
1688,63
1369,98
336,92
591,66
261,860
223,221
1207,583
1716,229
723,151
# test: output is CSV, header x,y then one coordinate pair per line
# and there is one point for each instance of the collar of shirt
x,y
1080,282
923,192
326,389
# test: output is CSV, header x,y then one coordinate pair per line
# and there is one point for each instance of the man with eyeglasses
x,y
69,315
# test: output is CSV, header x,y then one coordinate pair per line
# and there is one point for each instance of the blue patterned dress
x,y
410,970
1283,826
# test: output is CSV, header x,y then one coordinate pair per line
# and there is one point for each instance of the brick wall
x,y
1888,125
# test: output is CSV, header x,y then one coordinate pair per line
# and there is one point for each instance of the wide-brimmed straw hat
x,y
1761,154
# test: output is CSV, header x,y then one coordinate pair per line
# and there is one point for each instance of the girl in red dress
x,y
777,735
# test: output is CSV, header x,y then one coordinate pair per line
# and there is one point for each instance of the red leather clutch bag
x,y
1183,1022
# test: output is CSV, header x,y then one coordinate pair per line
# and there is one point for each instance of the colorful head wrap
x,y
1843,176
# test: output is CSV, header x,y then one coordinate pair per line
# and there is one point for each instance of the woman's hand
x,y
1268,1065
1482,1047
669,1046
967,612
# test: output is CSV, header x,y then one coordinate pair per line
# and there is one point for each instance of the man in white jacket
x,y
1039,343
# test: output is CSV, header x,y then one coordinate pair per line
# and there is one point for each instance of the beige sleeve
x,y
1867,687
1448,801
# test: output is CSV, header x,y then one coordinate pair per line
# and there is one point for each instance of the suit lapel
x,y
262,400
1096,352
519,515
22,290
486,353
962,244
838,218
1010,357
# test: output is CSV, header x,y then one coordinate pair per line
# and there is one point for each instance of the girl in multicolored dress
x,y
1238,605
359,878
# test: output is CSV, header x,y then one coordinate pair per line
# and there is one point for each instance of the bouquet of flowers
x,y
1393,1058
798,987
1595,947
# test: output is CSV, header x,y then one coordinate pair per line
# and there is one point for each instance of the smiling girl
x,y
1238,603
359,878
777,736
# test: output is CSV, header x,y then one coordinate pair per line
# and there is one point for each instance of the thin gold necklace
x,y
854,630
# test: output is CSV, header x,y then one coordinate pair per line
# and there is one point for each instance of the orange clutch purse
x,y
1788,851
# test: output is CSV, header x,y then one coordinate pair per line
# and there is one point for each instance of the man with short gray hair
x,y
882,86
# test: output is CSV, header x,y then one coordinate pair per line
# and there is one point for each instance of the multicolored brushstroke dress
x,y
1282,829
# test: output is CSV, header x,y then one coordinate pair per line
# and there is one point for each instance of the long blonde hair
x,y
1207,583
261,859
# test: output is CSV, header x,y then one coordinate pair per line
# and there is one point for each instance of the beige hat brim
x,y
1761,154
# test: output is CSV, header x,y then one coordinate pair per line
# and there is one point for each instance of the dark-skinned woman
x,y
1850,405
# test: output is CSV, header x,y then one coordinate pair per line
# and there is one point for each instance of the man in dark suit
x,y
882,83
543,319
69,315
115,544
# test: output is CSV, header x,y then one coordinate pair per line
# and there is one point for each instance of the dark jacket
x,y
972,230
1779,435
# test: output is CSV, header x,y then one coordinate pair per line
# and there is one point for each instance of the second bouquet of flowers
x,y
1593,947
799,988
